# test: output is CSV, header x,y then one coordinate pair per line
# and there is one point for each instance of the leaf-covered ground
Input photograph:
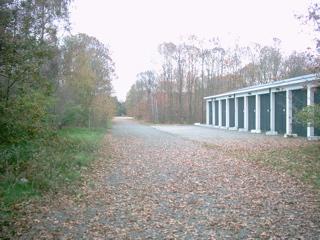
x,y
149,184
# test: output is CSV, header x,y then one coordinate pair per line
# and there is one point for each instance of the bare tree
x,y
196,68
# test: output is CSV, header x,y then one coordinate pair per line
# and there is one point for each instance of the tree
x,y
171,54
310,115
28,45
136,103
28,40
270,62
120,107
141,99
196,68
313,16
296,64
84,91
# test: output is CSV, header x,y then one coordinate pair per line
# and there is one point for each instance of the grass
x,y
91,136
301,162
44,165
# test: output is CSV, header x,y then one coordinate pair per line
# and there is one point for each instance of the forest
x,y
47,82
195,68
55,99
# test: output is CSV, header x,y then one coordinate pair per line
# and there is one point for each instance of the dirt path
x,y
160,186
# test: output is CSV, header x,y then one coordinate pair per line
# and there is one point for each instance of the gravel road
x,y
152,184
229,138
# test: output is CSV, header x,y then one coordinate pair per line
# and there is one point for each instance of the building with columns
x,y
267,108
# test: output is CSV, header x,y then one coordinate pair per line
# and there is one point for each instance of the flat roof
x,y
273,84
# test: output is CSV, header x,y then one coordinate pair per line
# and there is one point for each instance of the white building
x,y
268,108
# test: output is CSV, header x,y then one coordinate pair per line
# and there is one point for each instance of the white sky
x,y
133,29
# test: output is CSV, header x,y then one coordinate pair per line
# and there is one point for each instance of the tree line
x,y
48,82
55,102
195,68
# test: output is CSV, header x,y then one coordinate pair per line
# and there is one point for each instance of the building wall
x,y
231,112
271,110
280,112
299,101
317,101
252,112
265,112
223,105
241,112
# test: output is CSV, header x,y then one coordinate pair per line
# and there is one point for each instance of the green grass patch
x,y
44,165
301,162
91,136
18,191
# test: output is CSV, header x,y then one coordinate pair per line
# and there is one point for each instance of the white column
x,y
257,130
235,112
220,113
310,102
246,114
213,113
272,115
216,106
288,113
207,112
272,112
227,113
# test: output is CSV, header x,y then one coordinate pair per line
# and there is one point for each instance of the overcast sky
x,y
133,29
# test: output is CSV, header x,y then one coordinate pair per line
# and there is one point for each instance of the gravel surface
x,y
228,138
150,184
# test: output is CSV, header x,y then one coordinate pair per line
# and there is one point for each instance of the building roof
x,y
273,84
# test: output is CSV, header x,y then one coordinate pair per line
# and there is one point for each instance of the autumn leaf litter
x,y
147,184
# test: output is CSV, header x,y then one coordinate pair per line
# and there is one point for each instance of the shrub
x,y
309,114
24,118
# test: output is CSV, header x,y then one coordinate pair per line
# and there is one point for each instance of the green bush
x,y
49,163
24,118
74,116
309,114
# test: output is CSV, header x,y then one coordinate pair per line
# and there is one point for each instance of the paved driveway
x,y
229,138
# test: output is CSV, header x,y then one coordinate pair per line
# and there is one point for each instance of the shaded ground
x,y
156,185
